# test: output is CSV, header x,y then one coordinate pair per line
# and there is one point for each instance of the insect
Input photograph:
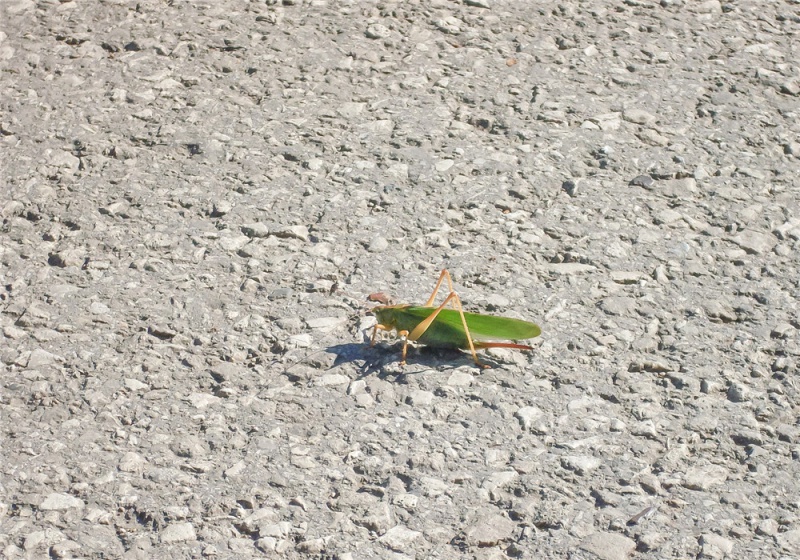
x,y
451,328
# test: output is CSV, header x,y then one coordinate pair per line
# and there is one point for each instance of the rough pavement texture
x,y
197,198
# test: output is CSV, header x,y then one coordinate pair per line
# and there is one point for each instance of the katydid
x,y
451,328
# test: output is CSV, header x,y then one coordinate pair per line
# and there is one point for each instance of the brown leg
x,y
420,329
404,336
444,275
375,330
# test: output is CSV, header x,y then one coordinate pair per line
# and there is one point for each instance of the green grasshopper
x,y
451,328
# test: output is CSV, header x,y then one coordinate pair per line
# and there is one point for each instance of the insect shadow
x,y
382,359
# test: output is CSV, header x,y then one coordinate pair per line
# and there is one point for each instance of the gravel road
x,y
197,197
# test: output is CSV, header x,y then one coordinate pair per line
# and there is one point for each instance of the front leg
x,y
375,330
404,336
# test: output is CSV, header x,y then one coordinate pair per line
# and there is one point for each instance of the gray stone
x,y
499,479
378,245
377,519
767,527
755,242
704,477
203,400
652,137
712,543
220,208
291,232
528,416
399,538
238,546
178,532
135,385
312,546
233,242
738,393
638,116
377,31
64,160
650,541
667,216
333,379
581,464
645,428
42,539
60,502
258,229
783,330
790,541
679,188
617,305
460,379
13,332
645,181
67,258
132,462
65,549
497,302
650,483
41,358
721,311
706,7
489,530
420,398
608,546
626,276
570,268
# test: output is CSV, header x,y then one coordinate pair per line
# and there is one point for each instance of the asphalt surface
x,y
197,199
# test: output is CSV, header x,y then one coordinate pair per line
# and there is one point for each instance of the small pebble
x,y
581,464
420,398
220,208
570,187
399,538
178,532
754,242
378,245
61,502
490,530
377,31
528,415
608,546
645,181
767,527
703,478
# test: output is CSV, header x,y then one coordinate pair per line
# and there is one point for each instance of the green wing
x,y
481,327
